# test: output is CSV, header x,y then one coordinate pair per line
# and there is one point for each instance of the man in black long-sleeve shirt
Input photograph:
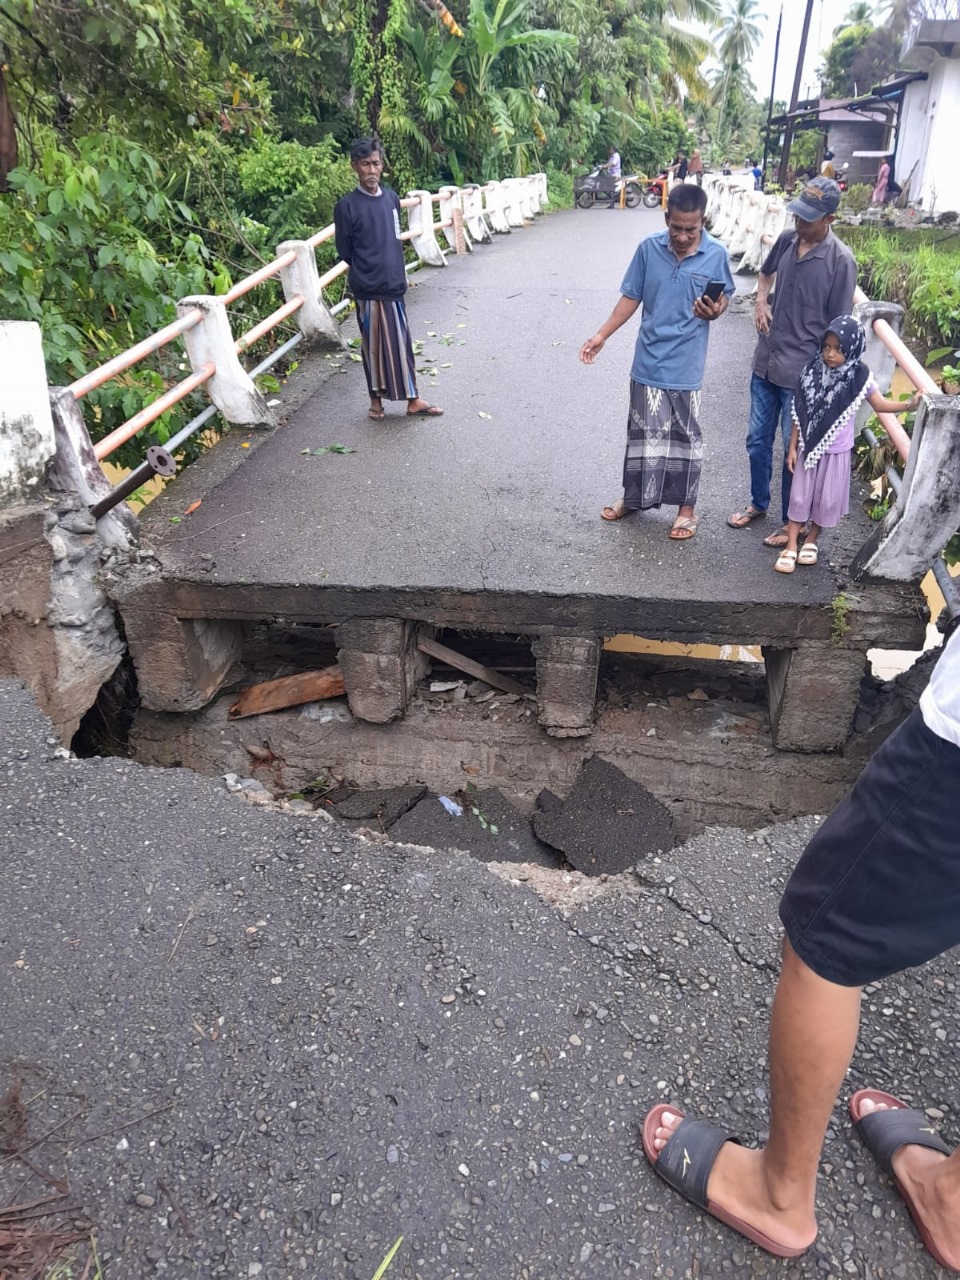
x,y
367,223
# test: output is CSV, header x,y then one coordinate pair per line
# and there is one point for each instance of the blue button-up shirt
x,y
672,343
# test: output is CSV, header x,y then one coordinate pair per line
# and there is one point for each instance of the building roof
x,y
872,106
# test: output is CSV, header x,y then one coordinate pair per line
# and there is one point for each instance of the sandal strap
x,y
687,1159
885,1132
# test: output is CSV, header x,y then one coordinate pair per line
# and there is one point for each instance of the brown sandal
x,y
615,512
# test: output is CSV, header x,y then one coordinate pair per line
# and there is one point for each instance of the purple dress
x,y
822,493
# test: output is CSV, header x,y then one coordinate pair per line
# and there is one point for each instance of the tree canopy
x,y
159,147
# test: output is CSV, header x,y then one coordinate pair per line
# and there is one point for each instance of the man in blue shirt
x,y
669,275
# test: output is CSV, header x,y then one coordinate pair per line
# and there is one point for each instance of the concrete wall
x,y
928,134
58,631
26,428
847,136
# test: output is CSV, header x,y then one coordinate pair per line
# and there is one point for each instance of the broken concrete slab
x,y
383,805
489,828
608,822
548,801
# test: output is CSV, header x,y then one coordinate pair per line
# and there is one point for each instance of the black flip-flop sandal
x,y
884,1133
685,1164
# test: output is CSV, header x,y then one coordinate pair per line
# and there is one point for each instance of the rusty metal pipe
x,y
158,463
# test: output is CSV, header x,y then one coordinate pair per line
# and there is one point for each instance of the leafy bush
x,y
856,198
291,189
559,189
94,250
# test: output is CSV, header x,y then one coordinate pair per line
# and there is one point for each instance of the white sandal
x,y
786,562
808,553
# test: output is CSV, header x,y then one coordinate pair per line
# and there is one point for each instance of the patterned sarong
x,y
387,349
664,448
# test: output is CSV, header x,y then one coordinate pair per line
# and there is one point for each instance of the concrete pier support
x,y
567,683
180,662
813,694
381,666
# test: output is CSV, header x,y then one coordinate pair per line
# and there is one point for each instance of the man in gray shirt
x,y
815,275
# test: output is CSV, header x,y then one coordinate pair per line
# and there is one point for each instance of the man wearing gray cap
x,y
815,276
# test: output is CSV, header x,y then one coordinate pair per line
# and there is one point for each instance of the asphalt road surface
x,y
254,1045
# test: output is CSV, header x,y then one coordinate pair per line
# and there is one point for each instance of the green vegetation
x,y
865,48
158,148
381,1271
920,270
856,199
839,617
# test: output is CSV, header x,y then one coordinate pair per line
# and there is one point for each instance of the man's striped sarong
x,y
664,448
387,349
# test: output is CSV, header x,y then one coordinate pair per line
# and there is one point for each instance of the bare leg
x,y
794,529
812,1036
813,533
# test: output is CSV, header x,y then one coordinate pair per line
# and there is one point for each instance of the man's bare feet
x,y
739,1184
930,1184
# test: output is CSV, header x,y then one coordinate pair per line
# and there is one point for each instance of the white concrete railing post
x,y
302,277
473,216
926,514
451,210
525,197
76,470
538,198
26,427
878,356
747,227
773,221
493,199
231,388
511,188
422,235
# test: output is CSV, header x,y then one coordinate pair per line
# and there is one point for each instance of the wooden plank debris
x,y
458,661
288,691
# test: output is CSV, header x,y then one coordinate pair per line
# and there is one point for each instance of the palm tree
x,y
858,15
685,50
739,34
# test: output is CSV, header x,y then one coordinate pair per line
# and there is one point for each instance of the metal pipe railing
x,y
103,448
104,372
160,460
269,322
259,277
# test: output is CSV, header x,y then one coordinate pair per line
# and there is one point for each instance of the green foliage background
x,y
166,146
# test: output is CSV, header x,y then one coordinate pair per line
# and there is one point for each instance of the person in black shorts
x,y
877,890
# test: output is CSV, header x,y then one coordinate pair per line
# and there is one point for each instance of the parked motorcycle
x,y
596,188
653,191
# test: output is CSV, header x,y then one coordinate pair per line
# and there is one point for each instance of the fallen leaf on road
x,y
192,507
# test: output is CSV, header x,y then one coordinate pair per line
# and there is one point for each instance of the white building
x,y
926,147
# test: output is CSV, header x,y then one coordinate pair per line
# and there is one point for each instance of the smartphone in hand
x,y
713,291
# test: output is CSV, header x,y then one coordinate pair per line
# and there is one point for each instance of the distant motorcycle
x,y
653,191
596,188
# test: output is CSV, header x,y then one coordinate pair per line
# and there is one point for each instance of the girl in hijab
x,y
833,385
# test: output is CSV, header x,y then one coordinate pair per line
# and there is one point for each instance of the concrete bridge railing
x,y
462,217
59,513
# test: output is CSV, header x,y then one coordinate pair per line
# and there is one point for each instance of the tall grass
x,y
920,270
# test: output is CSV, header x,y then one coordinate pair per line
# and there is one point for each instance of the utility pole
x,y
773,85
794,98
